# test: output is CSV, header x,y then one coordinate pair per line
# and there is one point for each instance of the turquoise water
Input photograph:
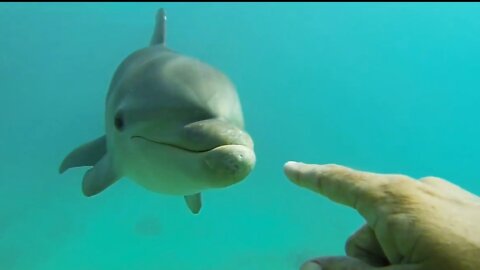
x,y
390,88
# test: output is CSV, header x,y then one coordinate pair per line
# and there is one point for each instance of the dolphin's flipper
x,y
159,32
194,202
100,177
85,155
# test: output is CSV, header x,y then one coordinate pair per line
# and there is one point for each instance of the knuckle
x,y
400,183
430,179
401,179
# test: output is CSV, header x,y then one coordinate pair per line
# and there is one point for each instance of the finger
x,y
349,263
336,263
338,183
364,246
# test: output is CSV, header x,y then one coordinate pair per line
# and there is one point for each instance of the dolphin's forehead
x,y
179,86
198,83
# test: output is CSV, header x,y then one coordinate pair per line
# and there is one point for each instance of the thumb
x,y
349,263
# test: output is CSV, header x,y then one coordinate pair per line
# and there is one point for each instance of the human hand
x,y
429,224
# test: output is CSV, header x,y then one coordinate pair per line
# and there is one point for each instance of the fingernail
x,y
291,163
311,266
290,169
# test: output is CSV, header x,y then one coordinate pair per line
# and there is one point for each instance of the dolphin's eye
x,y
119,123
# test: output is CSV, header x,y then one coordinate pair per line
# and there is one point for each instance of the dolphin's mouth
x,y
173,145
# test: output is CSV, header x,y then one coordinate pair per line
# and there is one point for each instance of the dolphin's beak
x,y
223,152
231,157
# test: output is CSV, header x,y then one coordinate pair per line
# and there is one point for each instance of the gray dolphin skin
x,y
173,124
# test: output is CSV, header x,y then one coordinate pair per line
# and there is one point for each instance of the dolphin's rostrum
x,y
173,124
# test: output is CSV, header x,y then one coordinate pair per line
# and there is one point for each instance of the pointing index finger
x,y
338,183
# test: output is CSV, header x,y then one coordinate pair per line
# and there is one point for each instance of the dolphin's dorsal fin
x,y
159,33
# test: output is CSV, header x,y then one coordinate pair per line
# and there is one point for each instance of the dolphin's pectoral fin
x,y
87,154
100,177
194,202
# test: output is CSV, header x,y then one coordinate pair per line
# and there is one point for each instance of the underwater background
x,y
384,87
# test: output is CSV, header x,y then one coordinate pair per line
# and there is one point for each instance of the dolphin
x,y
173,124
